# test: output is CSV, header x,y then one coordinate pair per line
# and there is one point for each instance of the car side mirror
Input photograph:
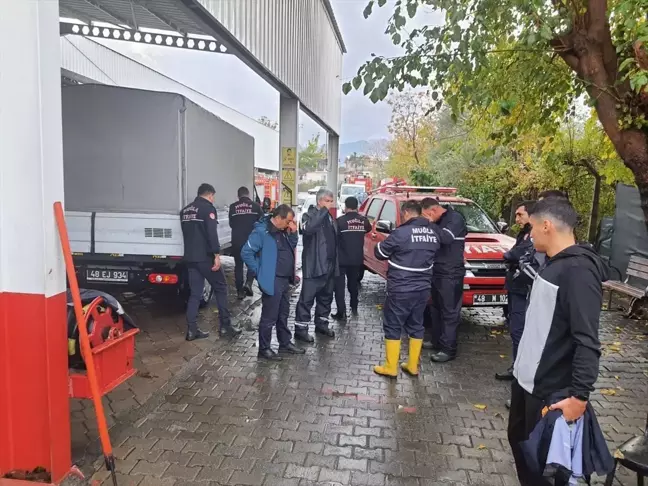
x,y
503,226
384,226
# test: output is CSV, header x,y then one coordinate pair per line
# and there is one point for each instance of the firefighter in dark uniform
x,y
447,283
518,284
410,251
242,216
202,257
352,228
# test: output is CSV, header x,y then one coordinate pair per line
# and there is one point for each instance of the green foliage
x,y
311,155
493,174
421,177
518,68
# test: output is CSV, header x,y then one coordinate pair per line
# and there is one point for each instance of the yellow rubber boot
x,y
411,367
392,353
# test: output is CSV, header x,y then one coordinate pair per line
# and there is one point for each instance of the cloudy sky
x,y
229,81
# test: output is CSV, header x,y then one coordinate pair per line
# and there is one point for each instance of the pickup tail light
x,y
163,278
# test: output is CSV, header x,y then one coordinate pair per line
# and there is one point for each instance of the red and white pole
x,y
34,404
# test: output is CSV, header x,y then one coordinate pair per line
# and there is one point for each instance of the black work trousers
x,y
517,315
198,273
318,291
349,278
524,414
238,269
274,313
404,312
445,312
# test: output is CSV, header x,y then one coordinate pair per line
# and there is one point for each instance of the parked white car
x,y
308,202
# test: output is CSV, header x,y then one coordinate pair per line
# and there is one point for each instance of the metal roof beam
x,y
118,18
75,14
172,25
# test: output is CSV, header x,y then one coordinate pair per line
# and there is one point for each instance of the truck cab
x,y
485,243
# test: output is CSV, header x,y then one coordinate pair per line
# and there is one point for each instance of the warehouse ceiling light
x,y
131,35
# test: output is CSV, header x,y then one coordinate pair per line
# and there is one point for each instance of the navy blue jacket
x,y
523,244
452,235
596,455
410,250
242,216
199,221
352,228
260,252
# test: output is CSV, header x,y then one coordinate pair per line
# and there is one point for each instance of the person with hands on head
x,y
199,222
410,251
559,351
319,267
270,253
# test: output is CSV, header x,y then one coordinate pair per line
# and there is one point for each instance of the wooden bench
x,y
638,270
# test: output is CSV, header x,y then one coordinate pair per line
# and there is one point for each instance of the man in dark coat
x,y
518,284
319,267
447,279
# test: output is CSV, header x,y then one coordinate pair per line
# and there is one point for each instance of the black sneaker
x,y
325,331
441,357
354,312
247,289
290,348
505,376
339,316
430,345
304,337
231,331
197,334
269,354
241,294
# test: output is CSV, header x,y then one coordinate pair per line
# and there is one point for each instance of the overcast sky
x,y
230,82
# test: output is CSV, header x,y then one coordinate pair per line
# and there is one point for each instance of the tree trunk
x,y
589,51
594,214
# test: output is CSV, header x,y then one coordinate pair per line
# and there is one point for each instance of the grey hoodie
x,y
560,348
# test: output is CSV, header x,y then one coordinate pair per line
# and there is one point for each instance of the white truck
x,y
132,160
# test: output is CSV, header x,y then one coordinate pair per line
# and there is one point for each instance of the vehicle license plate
x,y
110,276
490,299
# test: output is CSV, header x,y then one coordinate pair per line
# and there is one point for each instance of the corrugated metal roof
x,y
159,14
295,45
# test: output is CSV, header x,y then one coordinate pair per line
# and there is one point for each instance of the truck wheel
x,y
184,291
206,295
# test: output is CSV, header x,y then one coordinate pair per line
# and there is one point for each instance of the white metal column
x,y
34,403
333,163
289,149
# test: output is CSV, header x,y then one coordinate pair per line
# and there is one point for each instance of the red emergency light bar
x,y
397,188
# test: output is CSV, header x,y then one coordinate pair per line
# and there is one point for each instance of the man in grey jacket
x,y
319,267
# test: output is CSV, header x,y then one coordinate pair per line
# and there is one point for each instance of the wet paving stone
x,y
326,418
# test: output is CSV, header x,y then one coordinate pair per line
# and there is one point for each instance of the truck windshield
x,y
351,190
477,221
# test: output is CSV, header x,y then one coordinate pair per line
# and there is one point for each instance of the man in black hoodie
x,y
517,283
560,348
